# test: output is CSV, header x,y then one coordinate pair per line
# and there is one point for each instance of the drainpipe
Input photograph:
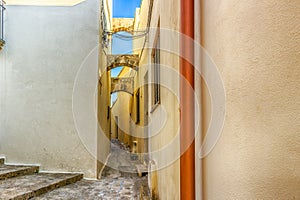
x,y
187,111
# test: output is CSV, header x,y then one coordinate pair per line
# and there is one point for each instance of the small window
x,y
138,96
156,70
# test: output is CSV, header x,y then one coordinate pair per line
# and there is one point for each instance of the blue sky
x,y
125,8
115,72
122,9
119,46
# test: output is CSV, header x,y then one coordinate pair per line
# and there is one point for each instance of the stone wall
x,y
122,24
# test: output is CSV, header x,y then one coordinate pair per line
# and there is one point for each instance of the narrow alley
x,y
120,181
149,99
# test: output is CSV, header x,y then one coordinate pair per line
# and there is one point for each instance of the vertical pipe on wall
x,y
187,124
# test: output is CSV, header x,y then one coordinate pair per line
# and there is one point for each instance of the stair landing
x,y
24,182
28,186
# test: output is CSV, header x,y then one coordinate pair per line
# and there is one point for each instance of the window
x,y
156,70
137,95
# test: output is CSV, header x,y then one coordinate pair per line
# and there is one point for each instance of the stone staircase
x,y
24,182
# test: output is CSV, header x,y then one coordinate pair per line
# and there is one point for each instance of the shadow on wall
x,y
153,180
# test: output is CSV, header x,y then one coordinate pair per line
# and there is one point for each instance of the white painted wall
x,y
44,2
45,48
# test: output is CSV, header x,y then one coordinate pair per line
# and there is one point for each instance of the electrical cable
x,y
148,26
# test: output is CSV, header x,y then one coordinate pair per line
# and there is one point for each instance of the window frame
x,y
155,60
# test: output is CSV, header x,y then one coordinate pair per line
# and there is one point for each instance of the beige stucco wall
x,y
140,24
44,51
167,183
256,46
168,177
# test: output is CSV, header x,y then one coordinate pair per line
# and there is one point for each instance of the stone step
x,y
142,170
127,171
9,171
29,186
106,189
2,160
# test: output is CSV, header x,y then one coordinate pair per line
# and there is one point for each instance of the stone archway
x,y
122,84
128,60
123,24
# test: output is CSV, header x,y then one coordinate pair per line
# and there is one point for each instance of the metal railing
x,y
2,9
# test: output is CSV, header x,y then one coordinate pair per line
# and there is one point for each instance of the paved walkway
x,y
120,162
119,181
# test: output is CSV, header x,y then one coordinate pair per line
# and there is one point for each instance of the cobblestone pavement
x,y
114,185
119,162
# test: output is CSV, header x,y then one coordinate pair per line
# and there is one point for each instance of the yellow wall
x,y
167,176
104,119
140,24
113,125
121,109
256,46
103,139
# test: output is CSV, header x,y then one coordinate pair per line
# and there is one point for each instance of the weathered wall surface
x,y
45,48
122,24
121,109
256,46
169,176
165,14
104,117
140,24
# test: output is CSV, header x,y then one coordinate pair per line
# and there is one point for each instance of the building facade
x,y
208,99
255,156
